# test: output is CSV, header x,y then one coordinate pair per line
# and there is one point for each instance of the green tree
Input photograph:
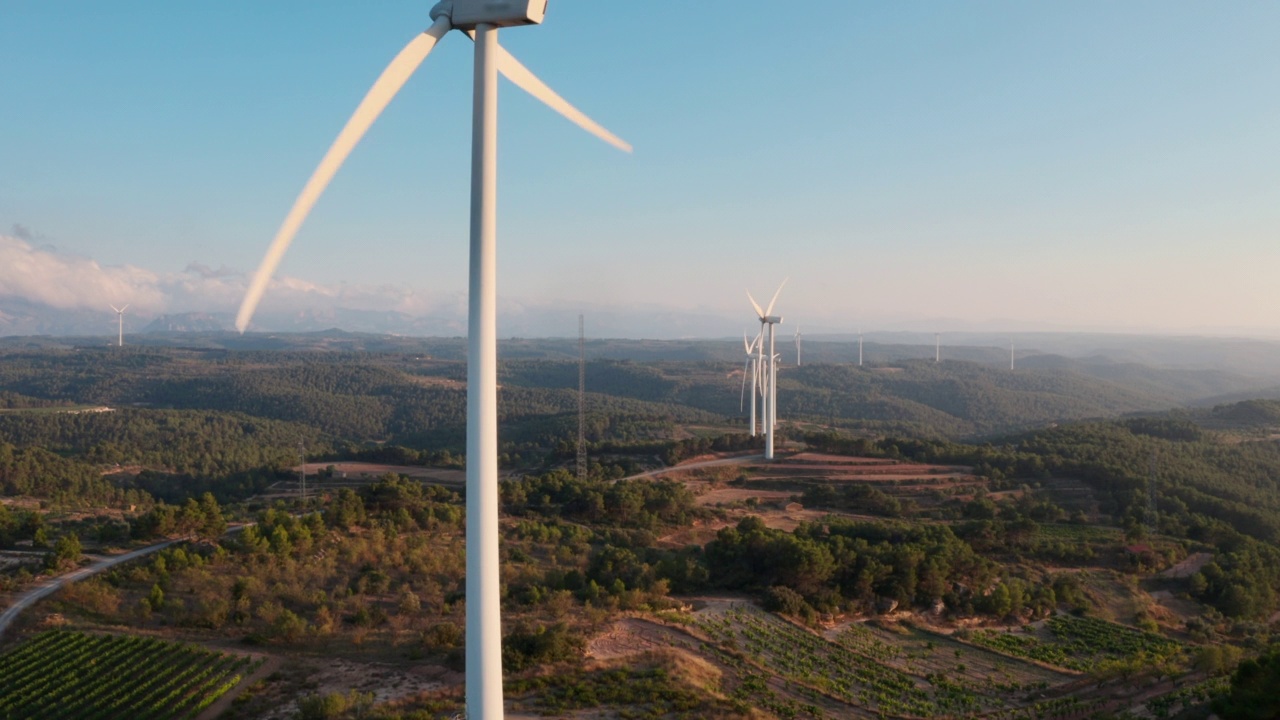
x,y
1253,691
155,598
66,551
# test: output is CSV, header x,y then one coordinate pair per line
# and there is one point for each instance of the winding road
x,y
50,586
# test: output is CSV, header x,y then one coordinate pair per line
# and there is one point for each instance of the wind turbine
x,y
797,347
481,20
767,318
1011,354
859,347
937,347
754,365
120,319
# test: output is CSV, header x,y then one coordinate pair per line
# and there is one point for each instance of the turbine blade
x,y
775,297
523,78
126,307
375,101
113,307
742,396
755,305
745,346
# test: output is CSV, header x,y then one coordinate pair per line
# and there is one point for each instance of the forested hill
x,y
947,399
351,397
961,399
1168,475
417,401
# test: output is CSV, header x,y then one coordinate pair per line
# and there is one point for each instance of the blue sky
x,y
1090,165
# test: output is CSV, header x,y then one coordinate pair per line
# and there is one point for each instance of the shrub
x,y
785,600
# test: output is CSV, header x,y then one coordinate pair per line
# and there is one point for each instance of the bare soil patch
x,y
386,682
1188,567
631,636
699,534
807,457
727,496
435,381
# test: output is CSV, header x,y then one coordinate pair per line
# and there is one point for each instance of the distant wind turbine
x,y
937,347
1011,354
798,339
120,319
859,347
752,364
480,19
770,370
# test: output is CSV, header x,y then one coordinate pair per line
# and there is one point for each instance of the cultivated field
x,y
78,676
1077,643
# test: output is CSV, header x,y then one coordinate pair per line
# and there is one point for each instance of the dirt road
x,y
51,585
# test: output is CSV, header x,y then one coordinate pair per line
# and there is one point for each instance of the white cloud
x,y
69,282
45,276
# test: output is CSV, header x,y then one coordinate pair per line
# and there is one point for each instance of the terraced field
x,y
63,675
856,667
1077,643
924,654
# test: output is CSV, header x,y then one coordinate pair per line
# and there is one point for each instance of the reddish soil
x,y
631,636
806,457
730,495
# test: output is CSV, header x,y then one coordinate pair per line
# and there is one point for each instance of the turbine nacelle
x,y
467,14
772,319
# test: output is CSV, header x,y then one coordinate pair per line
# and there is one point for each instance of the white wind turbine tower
x,y
798,347
753,364
859,347
773,387
120,320
480,19
770,371
1010,354
937,347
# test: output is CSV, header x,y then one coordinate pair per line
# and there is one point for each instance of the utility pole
x,y
582,399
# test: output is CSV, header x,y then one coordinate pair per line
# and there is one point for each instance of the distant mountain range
x,y
23,318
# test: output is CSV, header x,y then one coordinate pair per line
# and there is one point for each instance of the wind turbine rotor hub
x,y
774,319
467,14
